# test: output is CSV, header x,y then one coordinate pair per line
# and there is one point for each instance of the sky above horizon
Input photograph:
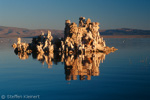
x,y
51,14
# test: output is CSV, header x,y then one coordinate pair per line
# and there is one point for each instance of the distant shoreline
x,y
13,32
104,36
125,36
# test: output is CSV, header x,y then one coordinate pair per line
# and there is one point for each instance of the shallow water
x,y
124,74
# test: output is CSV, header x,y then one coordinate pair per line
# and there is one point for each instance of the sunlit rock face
x,y
83,38
21,47
42,43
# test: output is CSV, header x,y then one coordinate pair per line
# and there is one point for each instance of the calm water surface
x,y
123,75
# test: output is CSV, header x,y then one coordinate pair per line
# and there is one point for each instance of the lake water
x,y
121,75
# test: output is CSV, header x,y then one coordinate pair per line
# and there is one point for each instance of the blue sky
x,y
51,14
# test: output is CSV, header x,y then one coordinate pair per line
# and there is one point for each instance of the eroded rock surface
x,y
83,38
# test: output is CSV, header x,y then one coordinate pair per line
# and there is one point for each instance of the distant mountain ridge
x,y
125,31
23,32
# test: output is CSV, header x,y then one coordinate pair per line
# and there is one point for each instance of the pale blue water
x,y
124,75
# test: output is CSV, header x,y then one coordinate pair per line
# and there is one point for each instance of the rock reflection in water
x,y
23,55
84,66
44,58
48,58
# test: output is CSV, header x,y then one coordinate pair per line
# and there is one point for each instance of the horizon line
x,y
60,29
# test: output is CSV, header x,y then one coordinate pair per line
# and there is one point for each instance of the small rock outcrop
x,y
40,44
21,47
43,43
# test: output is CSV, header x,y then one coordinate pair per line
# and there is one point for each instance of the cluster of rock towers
x,y
41,44
82,49
84,38
77,39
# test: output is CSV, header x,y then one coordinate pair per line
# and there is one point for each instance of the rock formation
x,y
77,39
85,38
40,44
21,47
81,50
43,43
